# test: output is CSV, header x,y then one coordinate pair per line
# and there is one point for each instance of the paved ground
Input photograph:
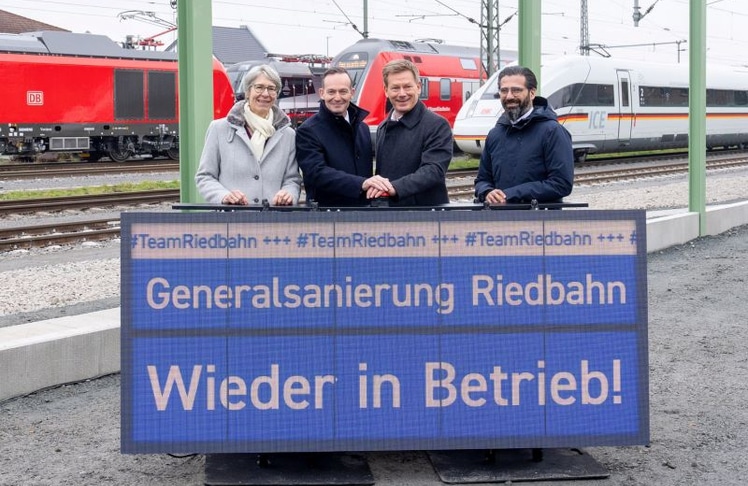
x,y
698,374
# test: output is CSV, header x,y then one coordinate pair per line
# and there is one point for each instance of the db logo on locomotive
x,y
34,97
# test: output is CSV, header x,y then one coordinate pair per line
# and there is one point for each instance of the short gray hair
x,y
249,79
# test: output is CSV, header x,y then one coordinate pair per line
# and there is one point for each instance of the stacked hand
x,y
377,186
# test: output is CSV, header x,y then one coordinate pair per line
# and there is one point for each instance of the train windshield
x,y
236,78
492,89
296,79
355,63
296,87
582,94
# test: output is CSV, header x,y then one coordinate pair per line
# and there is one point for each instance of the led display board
x,y
265,331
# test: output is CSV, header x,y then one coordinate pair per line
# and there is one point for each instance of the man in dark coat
x,y
334,148
528,154
414,145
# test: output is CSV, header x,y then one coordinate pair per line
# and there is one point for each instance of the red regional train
x,y
69,92
449,74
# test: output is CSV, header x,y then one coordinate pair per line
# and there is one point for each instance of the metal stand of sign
x,y
287,469
514,465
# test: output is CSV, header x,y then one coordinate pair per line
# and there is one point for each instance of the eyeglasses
x,y
514,90
259,89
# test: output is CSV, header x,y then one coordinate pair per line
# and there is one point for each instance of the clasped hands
x,y
378,186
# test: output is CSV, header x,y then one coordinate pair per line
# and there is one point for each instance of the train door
x,y
468,88
626,118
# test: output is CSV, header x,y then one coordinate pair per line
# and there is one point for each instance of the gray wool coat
x,y
227,162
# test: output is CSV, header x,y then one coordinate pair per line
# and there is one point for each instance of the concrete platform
x,y
47,353
675,227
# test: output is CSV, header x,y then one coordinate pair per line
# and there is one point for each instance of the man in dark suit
x,y
334,149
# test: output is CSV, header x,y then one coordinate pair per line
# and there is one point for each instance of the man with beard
x,y
527,155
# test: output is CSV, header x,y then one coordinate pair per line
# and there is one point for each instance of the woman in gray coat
x,y
250,155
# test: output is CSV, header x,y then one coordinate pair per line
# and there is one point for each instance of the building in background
x,y
11,23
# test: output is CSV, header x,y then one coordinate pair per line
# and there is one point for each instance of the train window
x,y
468,64
643,96
679,96
726,97
402,45
129,99
624,93
562,97
582,94
162,95
719,97
663,96
424,89
741,98
604,96
491,92
295,86
236,78
355,63
445,89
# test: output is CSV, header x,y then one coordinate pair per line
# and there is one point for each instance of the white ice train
x,y
615,105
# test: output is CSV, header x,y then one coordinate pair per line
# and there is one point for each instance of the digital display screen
x,y
341,331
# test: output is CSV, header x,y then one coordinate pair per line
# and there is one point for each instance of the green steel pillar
x,y
697,112
195,47
529,36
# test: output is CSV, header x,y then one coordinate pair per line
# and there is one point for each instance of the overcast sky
x,y
327,26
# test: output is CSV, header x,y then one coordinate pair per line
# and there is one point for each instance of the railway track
x,y
619,173
52,204
59,233
67,169
460,186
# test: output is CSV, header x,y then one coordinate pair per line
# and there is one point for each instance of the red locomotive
x,y
449,74
68,92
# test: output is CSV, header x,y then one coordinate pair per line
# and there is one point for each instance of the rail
x,y
460,187
68,169
51,204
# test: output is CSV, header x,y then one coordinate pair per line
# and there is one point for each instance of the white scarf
x,y
262,129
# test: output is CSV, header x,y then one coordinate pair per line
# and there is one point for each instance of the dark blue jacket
x,y
530,160
414,154
335,156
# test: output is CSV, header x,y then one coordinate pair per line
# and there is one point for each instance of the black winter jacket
x,y
335,156
414,154
530,160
